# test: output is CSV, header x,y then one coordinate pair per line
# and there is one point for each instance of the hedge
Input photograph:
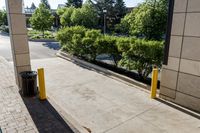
x,y
128,52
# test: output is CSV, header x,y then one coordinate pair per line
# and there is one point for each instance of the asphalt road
x,y
38,50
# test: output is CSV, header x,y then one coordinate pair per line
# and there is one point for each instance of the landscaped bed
x,y
38,35
129,54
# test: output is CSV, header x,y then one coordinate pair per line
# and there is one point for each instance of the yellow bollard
x,y
154,81
41,80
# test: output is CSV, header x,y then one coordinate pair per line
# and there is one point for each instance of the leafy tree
x,y
3,18
147,20
116,10
33,6
46,3
126,23
108,5
41,19
85,16
119,10
151,19
65,14
74,3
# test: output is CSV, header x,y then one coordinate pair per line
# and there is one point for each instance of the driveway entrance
x,y
105,105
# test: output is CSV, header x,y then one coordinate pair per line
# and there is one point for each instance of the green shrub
x,y
93,34
71,38
107,45
124,43
4,28
136,54
142,55
88,42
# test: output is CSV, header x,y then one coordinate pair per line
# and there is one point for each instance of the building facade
x,y
180,80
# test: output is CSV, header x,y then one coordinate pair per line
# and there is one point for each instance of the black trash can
x,y
29,83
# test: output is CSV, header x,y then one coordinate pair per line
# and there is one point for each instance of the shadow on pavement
x,y
52,45
45,117
4,34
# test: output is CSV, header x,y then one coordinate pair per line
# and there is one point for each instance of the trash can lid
x,y
27,74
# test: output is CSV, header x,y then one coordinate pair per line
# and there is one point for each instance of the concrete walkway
x,y
105,105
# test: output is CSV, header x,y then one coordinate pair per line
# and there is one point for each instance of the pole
x,y
154,82
104,23
41,80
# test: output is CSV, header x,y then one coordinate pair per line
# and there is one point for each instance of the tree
x,y
65,14
119,10
85,16
74,3
3,18
151,19
41,19
46,3
109,6
148,20
125,26
33,6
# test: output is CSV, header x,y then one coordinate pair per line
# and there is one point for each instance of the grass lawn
x,y
34,35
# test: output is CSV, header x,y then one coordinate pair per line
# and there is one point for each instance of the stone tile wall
x,y
180,80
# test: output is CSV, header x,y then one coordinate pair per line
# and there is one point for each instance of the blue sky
x,y
54,3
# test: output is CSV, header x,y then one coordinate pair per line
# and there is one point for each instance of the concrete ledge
x,y
107,72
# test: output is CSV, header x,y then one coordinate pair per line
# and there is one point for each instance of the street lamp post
x,y
104,13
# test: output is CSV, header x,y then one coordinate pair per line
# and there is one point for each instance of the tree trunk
x,y
43,34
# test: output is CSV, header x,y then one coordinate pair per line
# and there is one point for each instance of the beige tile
x,y
15,6
193,6
175,46
167,92
18,24
178,23
190,67
188,101
22,60
166,98
23,68
169,78
180,5
173,63
192,27
189,84
20,43
191,48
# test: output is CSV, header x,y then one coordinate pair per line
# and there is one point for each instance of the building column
x,y
18,37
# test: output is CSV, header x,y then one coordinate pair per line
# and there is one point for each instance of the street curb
x,y
107,72
72,123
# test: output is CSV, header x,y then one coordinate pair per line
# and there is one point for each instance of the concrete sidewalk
x,y
105,105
